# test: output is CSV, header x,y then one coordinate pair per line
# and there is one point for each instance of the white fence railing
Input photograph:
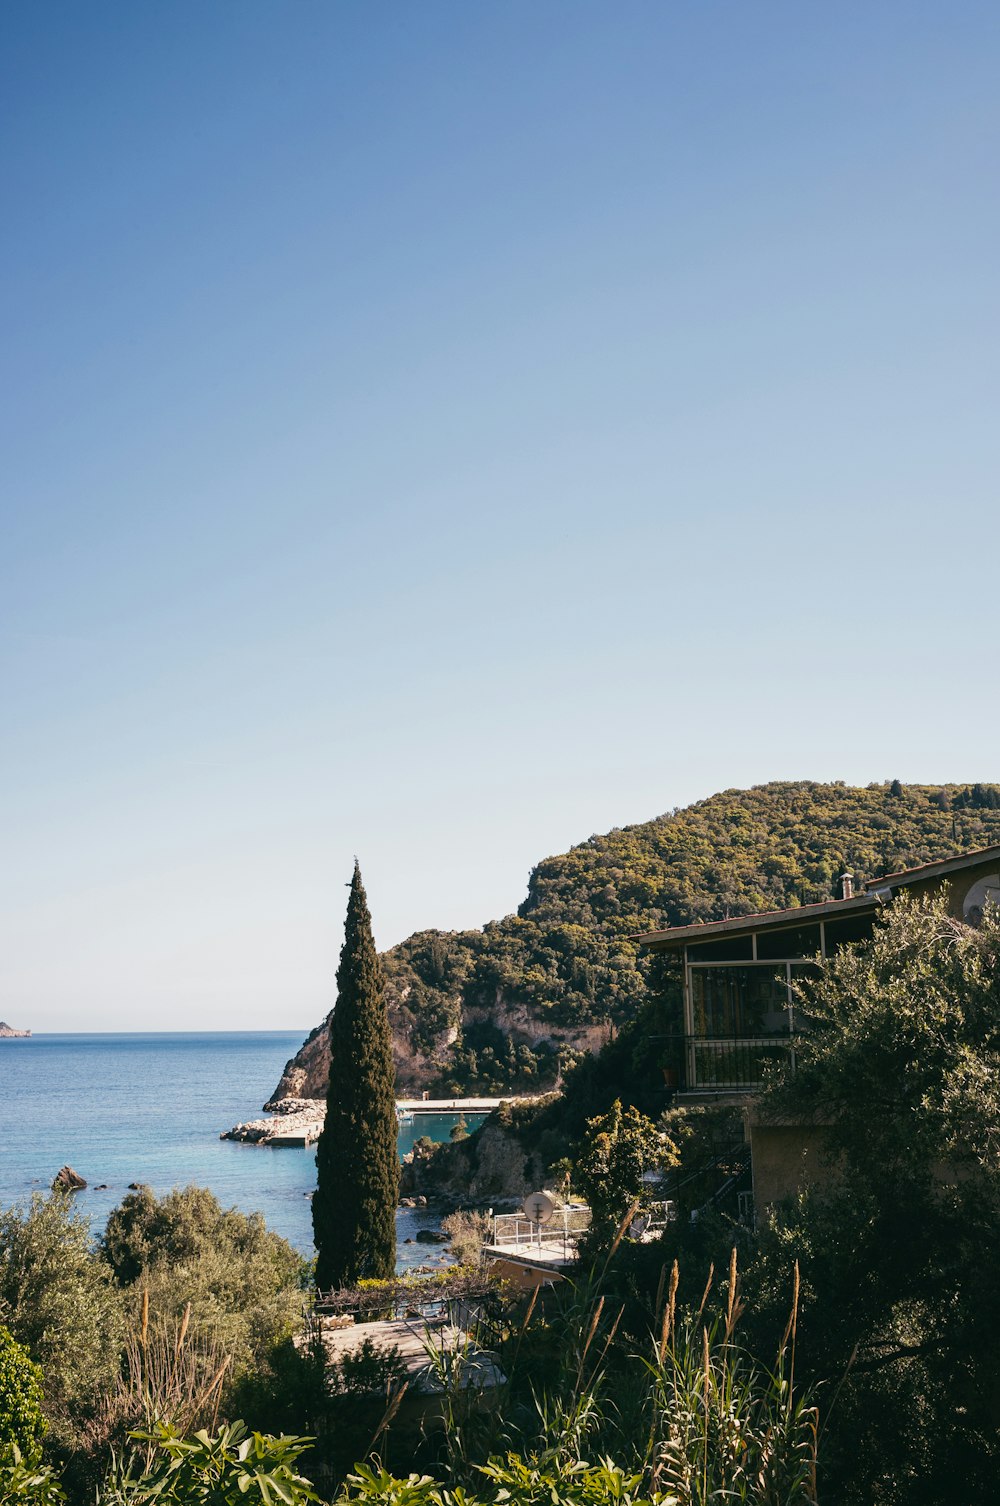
x,y
557,1238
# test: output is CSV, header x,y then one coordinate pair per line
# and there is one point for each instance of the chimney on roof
x,y
847,886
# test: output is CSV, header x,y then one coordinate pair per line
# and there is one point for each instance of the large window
x,y
737,1002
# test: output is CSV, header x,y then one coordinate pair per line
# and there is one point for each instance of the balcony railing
x,y
737,1062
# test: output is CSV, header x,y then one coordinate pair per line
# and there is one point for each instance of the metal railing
x,y
555,1240
739,1062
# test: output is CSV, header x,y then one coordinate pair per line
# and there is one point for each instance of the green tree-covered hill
x,y
488,1010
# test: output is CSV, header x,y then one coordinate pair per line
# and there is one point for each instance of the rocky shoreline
x,y
8,1033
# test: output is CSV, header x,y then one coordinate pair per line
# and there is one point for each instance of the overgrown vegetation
x,y
167,1318
874,1296
63,1304
900,1286
901,1291
242,1282
694,1420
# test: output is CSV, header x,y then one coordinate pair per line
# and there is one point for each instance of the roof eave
x,y
767,920
934,870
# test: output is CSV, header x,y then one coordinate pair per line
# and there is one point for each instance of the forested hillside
x,y
495,1009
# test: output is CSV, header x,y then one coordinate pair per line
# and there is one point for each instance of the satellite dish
x,y
985,892
539,1207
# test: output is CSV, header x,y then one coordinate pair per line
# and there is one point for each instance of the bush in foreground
x,y
62,1305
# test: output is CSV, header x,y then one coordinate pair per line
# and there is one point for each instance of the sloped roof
x,y
868,900
941,868
764,920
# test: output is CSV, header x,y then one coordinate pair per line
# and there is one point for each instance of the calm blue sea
x,y
149,1108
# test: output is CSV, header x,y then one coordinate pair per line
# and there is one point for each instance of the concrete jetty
x,y
299,1121
450,1105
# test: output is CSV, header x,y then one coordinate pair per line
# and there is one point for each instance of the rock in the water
x,y
432,1237
68,1180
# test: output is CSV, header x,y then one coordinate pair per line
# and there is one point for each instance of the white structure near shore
x,y
299,1121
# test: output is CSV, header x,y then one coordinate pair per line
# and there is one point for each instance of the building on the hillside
x,y
739,1010
738,974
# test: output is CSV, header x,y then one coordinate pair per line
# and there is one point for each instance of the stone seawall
x,y
293,1119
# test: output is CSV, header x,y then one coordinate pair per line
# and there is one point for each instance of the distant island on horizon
x,y
7,1032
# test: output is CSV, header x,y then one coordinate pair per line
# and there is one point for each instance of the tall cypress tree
x,y
354,1206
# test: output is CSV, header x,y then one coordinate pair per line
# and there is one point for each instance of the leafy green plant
x,y
550,1479
229,1468
373,1485
26,1481
541,1480
21,1420
619,1148
62,1305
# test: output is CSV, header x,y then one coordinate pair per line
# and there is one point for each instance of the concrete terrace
x,y
417,1340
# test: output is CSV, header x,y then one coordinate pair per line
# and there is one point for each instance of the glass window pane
x,y
843,932
738,1001
726,949
793,941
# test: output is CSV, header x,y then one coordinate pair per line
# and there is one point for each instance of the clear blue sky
x,y
439,431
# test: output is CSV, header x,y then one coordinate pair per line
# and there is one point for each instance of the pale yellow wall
x,y
525,1278
785,1158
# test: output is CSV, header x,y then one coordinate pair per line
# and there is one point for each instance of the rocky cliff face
x,y
7,1032
305,1075
491,1166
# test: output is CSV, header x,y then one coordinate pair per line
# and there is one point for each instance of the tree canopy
x,y
60,1303
901,1291
243,1281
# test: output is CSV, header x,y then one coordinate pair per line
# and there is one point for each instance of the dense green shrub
x,y
244,1283
63,1305
26,1481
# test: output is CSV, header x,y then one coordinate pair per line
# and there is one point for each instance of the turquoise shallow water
x,y
149,1108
